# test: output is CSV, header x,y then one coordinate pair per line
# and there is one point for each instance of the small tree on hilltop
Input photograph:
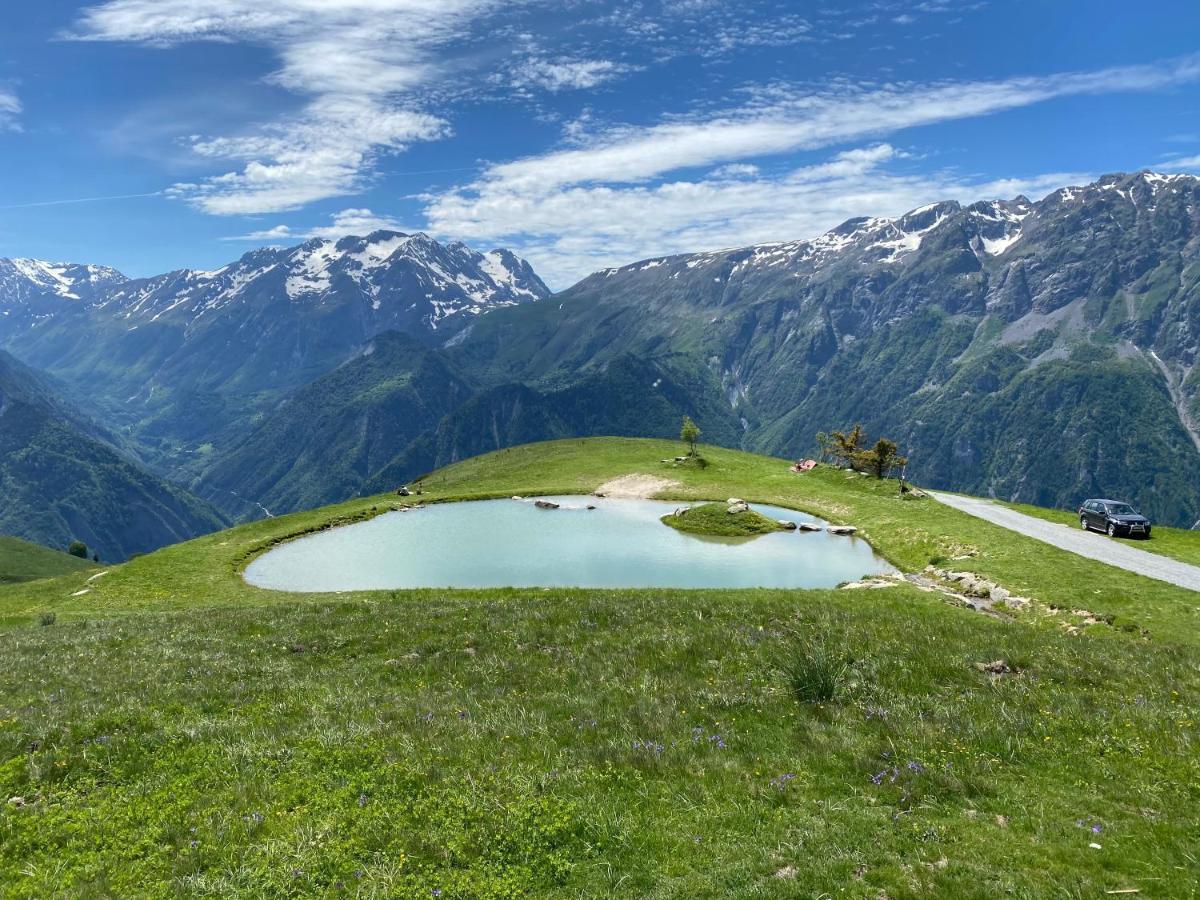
x,y
846,447
881,459
689,434
78,548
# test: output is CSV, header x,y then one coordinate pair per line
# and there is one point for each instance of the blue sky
x,y
581,134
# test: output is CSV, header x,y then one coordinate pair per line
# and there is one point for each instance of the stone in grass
x,y
997,667
720,520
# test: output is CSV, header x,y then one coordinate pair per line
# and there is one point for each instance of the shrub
x,y
78,548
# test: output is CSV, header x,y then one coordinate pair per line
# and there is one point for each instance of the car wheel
x,y
1112,530
1083,524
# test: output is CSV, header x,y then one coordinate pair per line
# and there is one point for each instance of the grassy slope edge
x,y
24,561
585,743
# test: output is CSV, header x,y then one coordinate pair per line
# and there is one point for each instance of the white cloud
x,y
782,121
10,109
735,170
358,222
361,63
1180,162
555,75
612,197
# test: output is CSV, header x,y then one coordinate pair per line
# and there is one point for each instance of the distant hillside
x,y
332,436
401,409
22,561
625,397
60,481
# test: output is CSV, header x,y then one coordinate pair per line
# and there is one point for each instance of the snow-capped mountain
x,y
989,229
389,279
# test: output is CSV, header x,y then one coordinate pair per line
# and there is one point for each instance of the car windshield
x,y
1120,509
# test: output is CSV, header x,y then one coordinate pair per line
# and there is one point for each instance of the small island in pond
x,y
732,519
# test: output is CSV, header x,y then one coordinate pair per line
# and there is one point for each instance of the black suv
x,y
1114,518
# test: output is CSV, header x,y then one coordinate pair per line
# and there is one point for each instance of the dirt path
x,y
636,487
1116,552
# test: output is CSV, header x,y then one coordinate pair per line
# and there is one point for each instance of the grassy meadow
x,y
174,732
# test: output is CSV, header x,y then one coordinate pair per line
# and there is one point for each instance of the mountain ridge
x,y
812,334
1029,350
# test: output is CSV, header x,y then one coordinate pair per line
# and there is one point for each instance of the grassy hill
x,y
658,743
23,561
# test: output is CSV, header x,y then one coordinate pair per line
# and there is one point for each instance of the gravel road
x,y
1122,553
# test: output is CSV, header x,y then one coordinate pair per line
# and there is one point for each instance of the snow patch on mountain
x,y
22,278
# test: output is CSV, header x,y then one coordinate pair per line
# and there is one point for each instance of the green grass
x,y
175,732
22,561
1177,543
714,519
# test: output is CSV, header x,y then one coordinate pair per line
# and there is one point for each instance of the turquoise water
x,y
509,543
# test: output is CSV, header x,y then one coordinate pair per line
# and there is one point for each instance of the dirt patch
x,y
635,487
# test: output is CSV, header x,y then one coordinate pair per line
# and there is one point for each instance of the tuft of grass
x,y
47,618
816,674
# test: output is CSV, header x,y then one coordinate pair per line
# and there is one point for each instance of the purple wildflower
x,y
779,782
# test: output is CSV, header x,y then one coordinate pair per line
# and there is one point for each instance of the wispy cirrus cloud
x,y
625,192
10,110
361,63
783,119
348,221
